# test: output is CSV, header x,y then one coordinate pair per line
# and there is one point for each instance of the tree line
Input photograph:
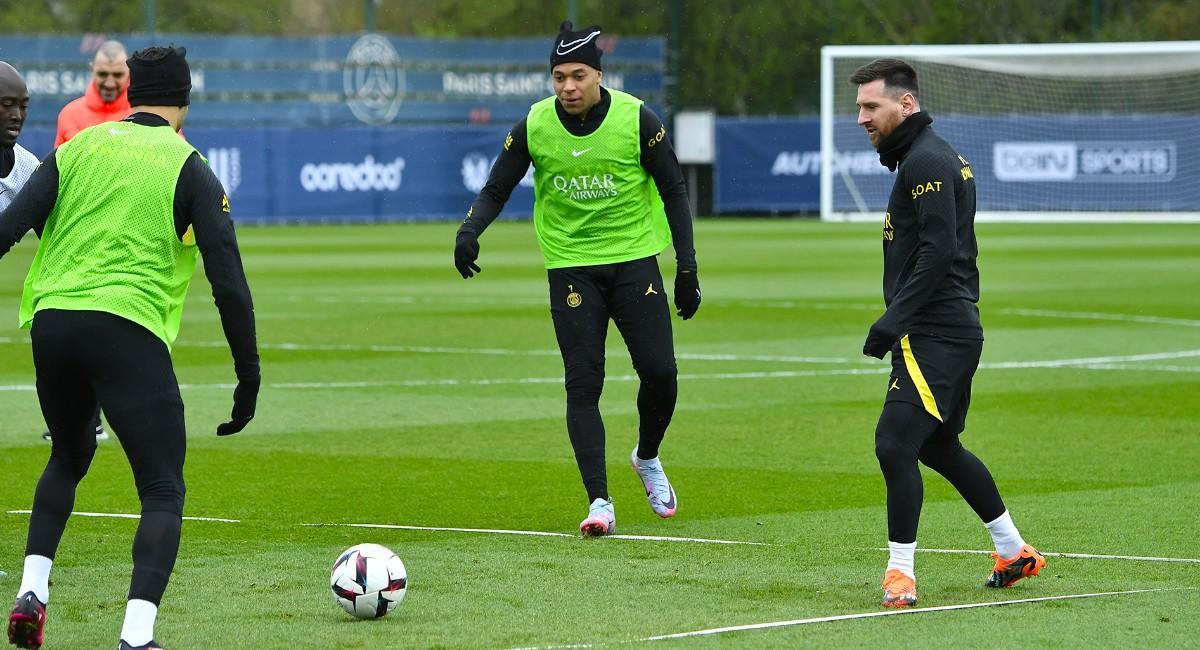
x,y
741,57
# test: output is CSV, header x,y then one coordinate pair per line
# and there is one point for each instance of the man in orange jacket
x,y
105,99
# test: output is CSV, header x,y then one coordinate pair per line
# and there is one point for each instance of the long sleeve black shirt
x,y
200,203
930,279
657,157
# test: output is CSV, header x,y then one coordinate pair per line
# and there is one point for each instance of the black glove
x,y
245,396
687,293
466,251
880,339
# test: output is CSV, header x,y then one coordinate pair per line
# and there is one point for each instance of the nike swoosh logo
x,y
580,153
117,132
566,48
670,505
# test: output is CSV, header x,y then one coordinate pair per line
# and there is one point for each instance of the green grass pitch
x,y
397,393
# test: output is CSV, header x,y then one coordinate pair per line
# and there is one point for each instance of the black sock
x,y
656,405
586,430
901,431
155,547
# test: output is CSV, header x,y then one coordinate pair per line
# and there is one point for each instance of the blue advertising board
x,y
767,165
372,79
1021,163
347,175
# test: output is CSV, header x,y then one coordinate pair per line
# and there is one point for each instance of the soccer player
x,y
603,170
121,210
16,163
106,98
931,326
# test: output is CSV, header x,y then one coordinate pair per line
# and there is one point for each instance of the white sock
x,y
1006,536
901,558
139,622
36,577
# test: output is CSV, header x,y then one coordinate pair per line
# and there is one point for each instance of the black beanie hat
x,y
576,47
159,76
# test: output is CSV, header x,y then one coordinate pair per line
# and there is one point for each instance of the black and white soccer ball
x,y
368,580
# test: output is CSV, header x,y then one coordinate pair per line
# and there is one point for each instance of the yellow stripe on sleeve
x,y
914,371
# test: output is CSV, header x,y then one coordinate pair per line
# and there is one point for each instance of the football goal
x,y
1060,132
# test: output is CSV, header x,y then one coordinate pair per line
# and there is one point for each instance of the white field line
x,y
123,515
872,614
511,352
540,533
900,612
1092,315
1078,556
761,304
1095,363
1092,363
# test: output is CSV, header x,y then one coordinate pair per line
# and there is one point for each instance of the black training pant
x,y
928,395
582,300
85,357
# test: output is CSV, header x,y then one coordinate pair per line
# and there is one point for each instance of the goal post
x,y
1055,132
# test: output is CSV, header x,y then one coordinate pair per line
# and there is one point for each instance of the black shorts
x,y
584,298
935,372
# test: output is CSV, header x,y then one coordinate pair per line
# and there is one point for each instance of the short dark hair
x,y
894,72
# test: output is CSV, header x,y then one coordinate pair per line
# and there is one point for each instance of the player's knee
x,y
893,454
584,382
72,462
162,494
659,373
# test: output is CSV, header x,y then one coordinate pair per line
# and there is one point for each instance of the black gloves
x,y
687,293
245,397
466,251
880,339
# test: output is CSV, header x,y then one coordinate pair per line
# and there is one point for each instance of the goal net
x,y
1068,132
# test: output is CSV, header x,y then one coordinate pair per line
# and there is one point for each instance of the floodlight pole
x,y
572,11
673,55
369,14
149,15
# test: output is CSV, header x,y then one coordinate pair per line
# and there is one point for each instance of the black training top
x,y
8,159
200,203
658,159
930,280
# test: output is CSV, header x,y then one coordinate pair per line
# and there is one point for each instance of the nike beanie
x,y
576,47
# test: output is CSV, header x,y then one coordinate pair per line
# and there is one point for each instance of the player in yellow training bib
x,y
609,197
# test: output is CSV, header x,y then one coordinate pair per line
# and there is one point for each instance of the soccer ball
x,y
368,581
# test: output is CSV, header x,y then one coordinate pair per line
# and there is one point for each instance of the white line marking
x,y
1093,361
1100,364
123,515
509,352
899,612
539,533
1009,311
761,304
1088,363
1154,368
1091,315
872,614
1083,556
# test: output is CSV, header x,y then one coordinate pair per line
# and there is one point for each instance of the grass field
x,y
396,393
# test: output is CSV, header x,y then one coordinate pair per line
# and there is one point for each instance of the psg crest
x,y
373,81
